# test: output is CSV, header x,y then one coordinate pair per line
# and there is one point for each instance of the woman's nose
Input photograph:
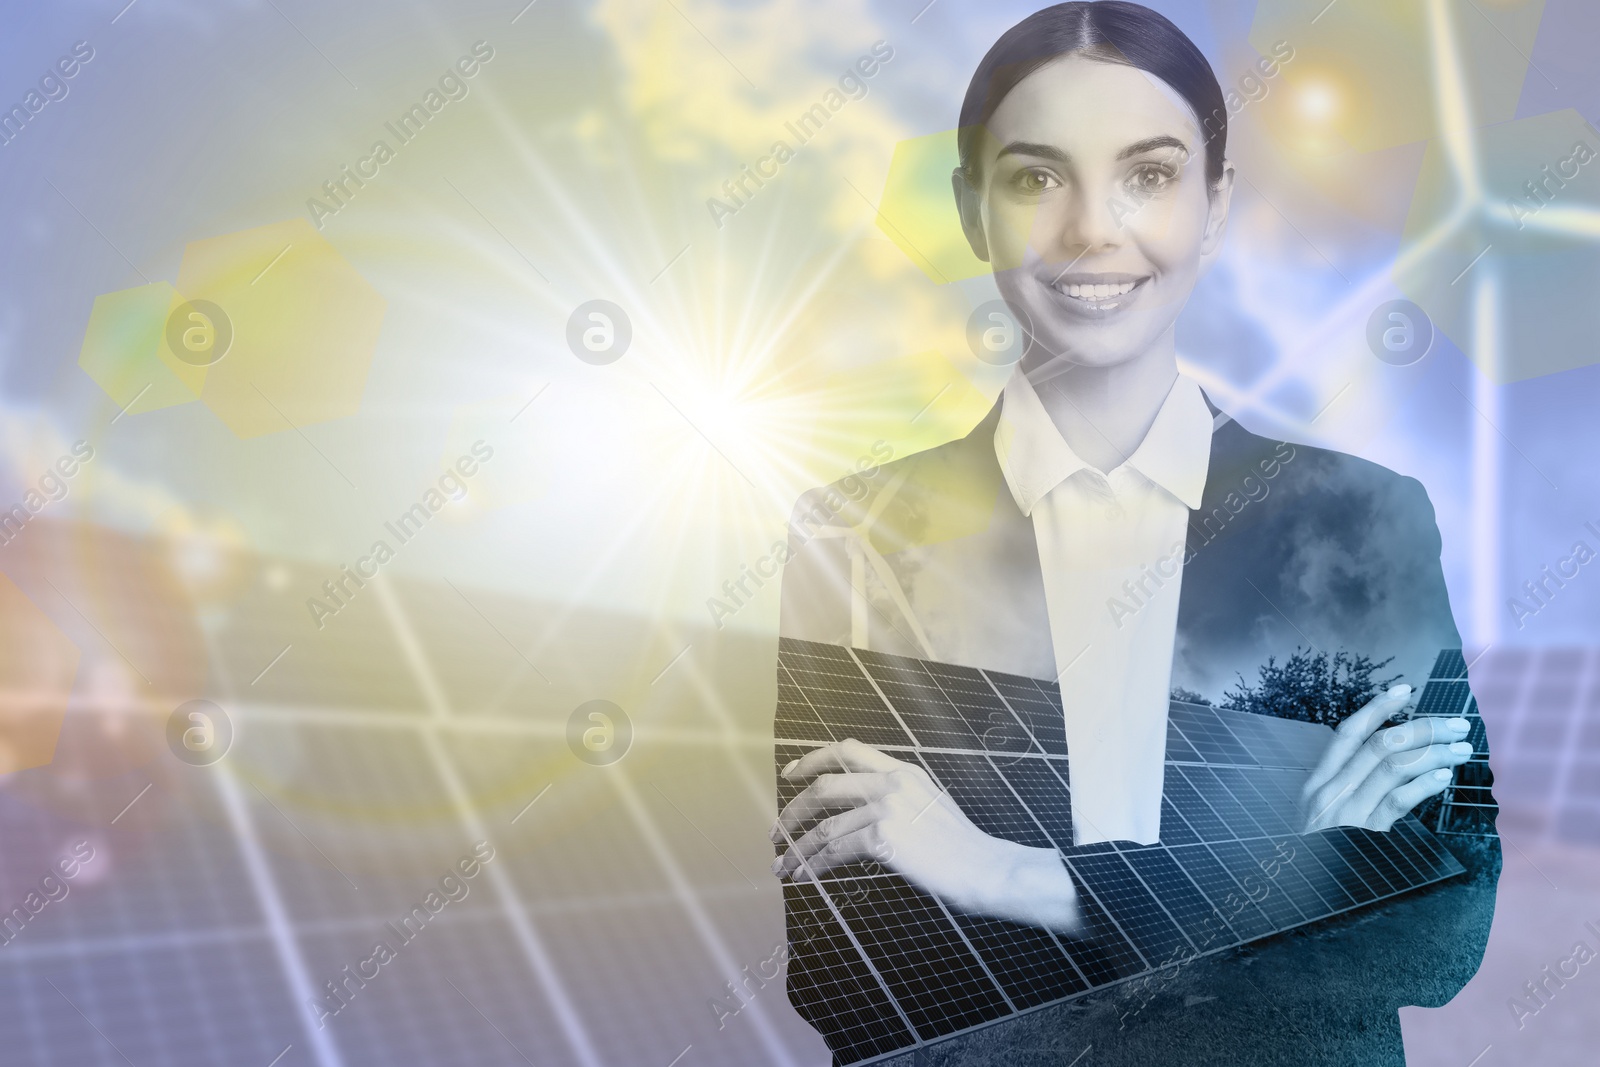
x,y
1086,225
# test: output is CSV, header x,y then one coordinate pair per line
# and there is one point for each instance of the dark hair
x,y
1111,31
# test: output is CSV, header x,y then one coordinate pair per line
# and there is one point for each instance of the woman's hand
x,y
1371,777
861,805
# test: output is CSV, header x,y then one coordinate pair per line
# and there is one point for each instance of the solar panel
x,y
878,966
1467,806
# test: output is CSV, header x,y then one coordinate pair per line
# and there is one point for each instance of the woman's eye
x,y
1034,181
1151,177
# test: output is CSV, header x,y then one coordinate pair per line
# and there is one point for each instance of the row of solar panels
x,y
825,695
878,966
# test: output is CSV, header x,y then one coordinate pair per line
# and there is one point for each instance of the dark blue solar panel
x,y
1134,908
1229,867
983,796
1030,964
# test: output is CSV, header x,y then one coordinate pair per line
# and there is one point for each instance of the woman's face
x,y
1092,205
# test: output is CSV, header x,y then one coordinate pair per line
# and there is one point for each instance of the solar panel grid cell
x,y
832,713
1030,964
923,959
1423,865
1443,698
1334,857
1103,952
932,720
1179,748
1450,663
1247,871
983,796
1205,731
1175,829
1258,735
1129,901
1266,814
1440,862
1235,819
1201,923
1043,792
1381,859
832,987
1280,875
1359,862
1043,722
1227,897
1328,885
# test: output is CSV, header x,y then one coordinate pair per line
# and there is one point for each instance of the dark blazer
x,y
1292,547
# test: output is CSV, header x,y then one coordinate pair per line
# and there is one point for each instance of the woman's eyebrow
x,y
1150,144
1032,148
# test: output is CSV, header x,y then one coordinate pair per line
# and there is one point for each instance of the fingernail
x,y
777,866
1462,748
792,764
1458,725
1401,690
1442,775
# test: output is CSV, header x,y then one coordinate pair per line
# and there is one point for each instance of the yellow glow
x,y
1318,102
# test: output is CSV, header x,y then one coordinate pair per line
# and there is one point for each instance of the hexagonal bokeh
x,y
39,664
1529,245
1366,72
918,210
918,213
303,324
125,352
271,327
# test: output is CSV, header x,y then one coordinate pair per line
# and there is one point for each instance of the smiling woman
x,y
1090,185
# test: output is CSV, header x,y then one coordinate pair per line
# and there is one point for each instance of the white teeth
x,y
1098,292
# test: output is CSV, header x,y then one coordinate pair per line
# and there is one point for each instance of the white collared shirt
x,y
1111,548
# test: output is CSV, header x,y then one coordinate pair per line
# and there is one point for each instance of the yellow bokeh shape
x,y
304,326
125,351
918,211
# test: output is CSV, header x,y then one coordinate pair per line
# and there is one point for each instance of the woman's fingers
x,y
1392,752
1402,799
856,847
848,755
838,817
1397,743
821,836
846,774
1350,735
1398,769
829,793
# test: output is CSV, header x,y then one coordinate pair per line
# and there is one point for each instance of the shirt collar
x,y
1035,458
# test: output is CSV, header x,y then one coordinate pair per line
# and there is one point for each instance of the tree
x,y
1188,696
1311,687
